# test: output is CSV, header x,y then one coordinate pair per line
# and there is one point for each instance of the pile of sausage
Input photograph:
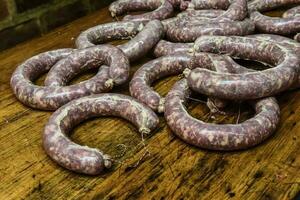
x,y
209,34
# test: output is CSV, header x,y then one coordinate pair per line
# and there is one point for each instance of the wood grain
x,y
173,170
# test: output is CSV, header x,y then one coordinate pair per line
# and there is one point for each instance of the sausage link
x,y
140,85
215,136
198,21
237,11
144,40
191,32
205,4
293,12
275,25
161,67
212,61
201,13
164,48
121,7
108,32
54,96
297,37
266,5
176,3
167,23
89,58
84,159
251,85
284,41
163,11
218,63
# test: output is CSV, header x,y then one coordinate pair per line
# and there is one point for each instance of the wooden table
x,y
173,170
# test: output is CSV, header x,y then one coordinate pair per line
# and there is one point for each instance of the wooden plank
x,y
174,170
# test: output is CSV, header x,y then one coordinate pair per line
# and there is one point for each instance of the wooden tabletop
x,y
172,170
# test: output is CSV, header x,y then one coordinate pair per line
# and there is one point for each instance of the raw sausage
x,y
275,25
293,12
161,67
108,32
297,37
140,85
251,85
137,47
163,10
284,41
219,137
192,32
237,10
53,97
266,5
205,4
143,42
201,13
121,7
164,48
167,23
84,159
176,3
89,58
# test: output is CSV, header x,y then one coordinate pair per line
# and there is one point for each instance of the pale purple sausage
x,y
176,3
205,4
144,38
197,21
215,136
169,23
281,40
53,97
143,42
284,41
121,7
201,13
161,67
191,32
237,11
83,159
92,57
266,5
164,9
251,85
164,48
275,25
140,85
108,32
293,12
297,37
220,63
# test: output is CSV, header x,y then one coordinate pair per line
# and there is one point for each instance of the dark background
x,y
21,20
